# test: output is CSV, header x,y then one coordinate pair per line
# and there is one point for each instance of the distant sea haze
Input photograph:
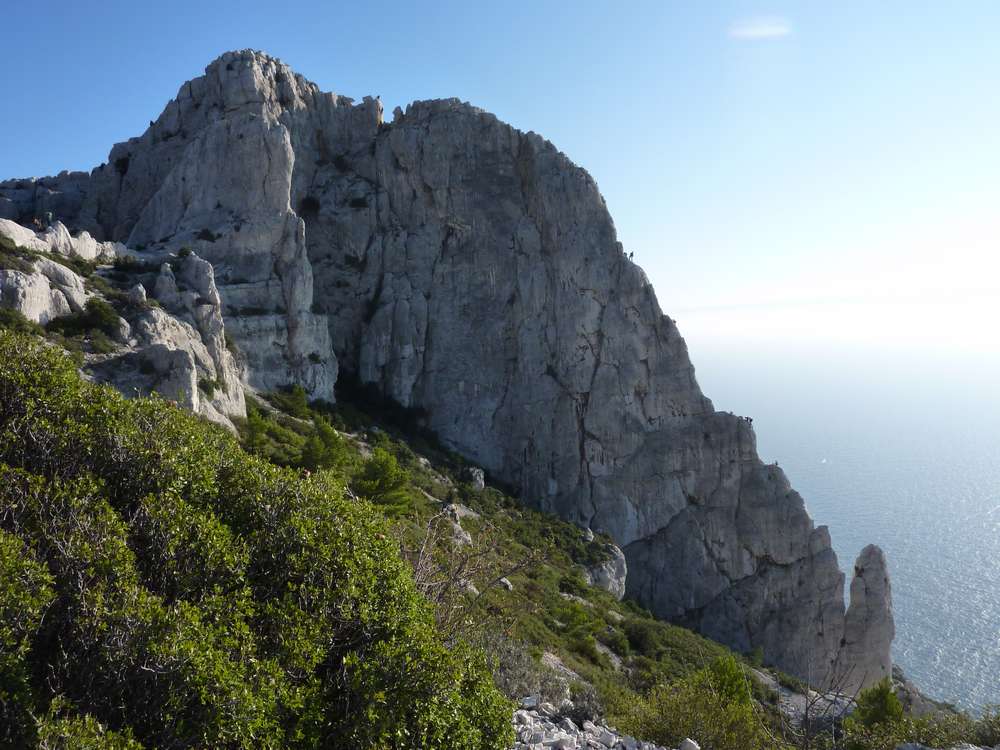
x,y
903,452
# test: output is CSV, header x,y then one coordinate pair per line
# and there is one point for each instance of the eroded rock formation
x,y
472,270
177,350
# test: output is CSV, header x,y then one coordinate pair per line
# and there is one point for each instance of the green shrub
x,y
988,727
97,315
713,705
616,640
25,592
878,705
264,435
100,343
209,386
325,448
14,320
879,723
931,731
291,400
129,264
383,481
198,596
100,285
59,729
16,259
75,263
792,683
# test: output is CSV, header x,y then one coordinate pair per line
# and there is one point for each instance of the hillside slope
x,y
159,587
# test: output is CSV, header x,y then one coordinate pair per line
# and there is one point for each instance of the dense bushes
x,y
879,723
160,587
14,320
97,315
714,704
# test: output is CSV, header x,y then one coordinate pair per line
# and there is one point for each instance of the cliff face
x,y
472,270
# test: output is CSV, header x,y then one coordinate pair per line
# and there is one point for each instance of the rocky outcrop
x,y
610,574
868,627
35,295
26,199
472,271
180,354
56,238
541,727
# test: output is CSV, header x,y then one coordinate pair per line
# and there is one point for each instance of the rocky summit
x,y
471,271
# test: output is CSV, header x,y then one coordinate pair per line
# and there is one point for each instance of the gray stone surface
x,y
539,727
33,295
611,574
471,270
868,627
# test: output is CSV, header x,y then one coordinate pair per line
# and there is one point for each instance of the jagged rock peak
x,y
248,80
869,627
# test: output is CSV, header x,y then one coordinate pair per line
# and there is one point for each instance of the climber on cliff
x,y
48,219
378,110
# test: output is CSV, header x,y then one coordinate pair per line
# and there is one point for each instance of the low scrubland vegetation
x,y
165,584
161,587
650,679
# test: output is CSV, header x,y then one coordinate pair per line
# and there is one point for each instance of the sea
x,y
901,449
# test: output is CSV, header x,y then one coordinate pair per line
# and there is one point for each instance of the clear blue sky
x,y
776,159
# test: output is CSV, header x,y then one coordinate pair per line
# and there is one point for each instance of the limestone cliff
x,y
472,270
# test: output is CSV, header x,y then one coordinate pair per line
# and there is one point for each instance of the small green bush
x,y
59,729
383,481
209,386
75,263
129,264
325,449
931,731
100,285
97,315
878,705
14,320
267,436
14,258
292,400
988,727
100,343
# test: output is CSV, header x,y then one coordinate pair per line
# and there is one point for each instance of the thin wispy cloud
x,y
760,28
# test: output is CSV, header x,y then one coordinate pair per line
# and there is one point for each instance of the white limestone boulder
x,y
610,574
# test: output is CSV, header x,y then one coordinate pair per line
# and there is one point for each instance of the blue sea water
x,y
902,451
